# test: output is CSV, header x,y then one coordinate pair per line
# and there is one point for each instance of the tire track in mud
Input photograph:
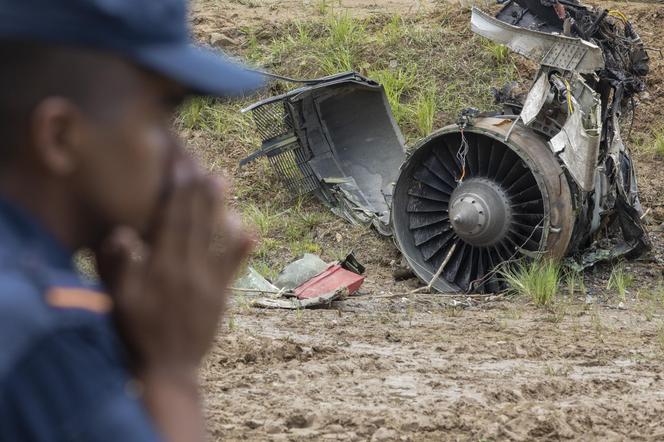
x,y
432,378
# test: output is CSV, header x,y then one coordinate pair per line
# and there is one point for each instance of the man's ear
x,y
56,132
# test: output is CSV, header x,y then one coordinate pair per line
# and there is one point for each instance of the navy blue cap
x,y
152,33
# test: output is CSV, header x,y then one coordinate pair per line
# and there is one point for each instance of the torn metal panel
x,y
588,138
320,145
625,172
535,100
333,279
323,300
578,142
556,51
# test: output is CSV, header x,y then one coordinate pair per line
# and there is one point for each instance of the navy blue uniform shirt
x,y
63,376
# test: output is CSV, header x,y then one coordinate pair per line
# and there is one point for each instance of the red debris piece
x,y
332,279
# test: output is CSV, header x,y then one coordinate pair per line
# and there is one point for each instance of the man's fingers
x,y
121,259
207,211
172,234
236,243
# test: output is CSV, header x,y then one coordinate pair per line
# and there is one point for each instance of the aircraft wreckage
x,y
548,175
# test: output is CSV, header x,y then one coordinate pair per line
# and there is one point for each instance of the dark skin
x,y
117,180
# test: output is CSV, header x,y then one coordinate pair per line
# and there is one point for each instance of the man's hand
x,y
170,293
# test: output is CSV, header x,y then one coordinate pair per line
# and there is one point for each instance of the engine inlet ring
x,y
501,210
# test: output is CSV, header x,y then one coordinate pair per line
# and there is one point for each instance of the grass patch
x,y
620,281
345,30
217,119
425,110
650,143
575,284
537,280
284,235
397,83
658,144
323,7
431,69
499,52
395,29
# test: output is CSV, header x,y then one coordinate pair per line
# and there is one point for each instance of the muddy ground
x,y
382,366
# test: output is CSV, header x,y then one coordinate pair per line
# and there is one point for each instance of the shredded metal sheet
x,y
578,148
558,51
536,99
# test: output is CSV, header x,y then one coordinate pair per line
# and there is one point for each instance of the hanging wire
x,y
619,15
570,105
461,156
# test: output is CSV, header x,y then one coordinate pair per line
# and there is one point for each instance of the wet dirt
x,y
385,367
385,371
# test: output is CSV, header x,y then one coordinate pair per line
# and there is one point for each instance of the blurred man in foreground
x,y
88,159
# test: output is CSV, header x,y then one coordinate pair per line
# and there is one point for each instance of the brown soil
x,y
390,368
379,371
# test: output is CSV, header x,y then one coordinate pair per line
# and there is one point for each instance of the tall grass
x,y
394,30
397,82
339,60
499,53
425,110
338,51
620,280
322,7
537,280
345,30
658,144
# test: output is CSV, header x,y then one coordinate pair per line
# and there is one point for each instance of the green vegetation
x,y
651,144
288,232
620,280
425,110
394,30
651,300
322,6
430,68
500,53
575,284
397,82
658,144
537,280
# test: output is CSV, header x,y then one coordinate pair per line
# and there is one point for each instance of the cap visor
x,y
203,71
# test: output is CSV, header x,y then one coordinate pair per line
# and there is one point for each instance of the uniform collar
x,y
21,231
